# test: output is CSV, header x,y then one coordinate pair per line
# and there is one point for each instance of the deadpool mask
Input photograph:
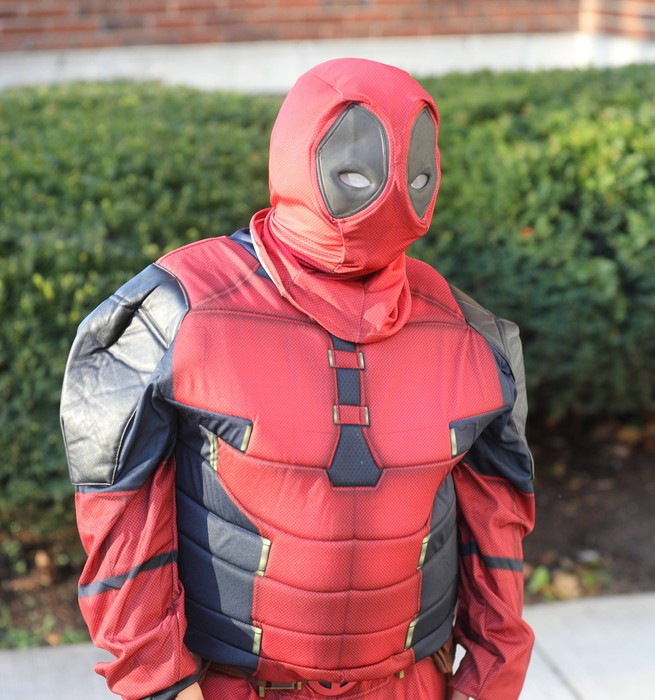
x,y
353,175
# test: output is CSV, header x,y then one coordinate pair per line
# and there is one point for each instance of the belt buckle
x,y
264,686
331,689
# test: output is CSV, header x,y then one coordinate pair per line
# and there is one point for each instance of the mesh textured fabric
x,y
495,518
274,372
129,619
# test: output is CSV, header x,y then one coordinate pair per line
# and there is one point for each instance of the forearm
x,y
493,519
129,591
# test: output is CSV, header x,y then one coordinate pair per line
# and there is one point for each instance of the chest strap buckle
x,y
264,686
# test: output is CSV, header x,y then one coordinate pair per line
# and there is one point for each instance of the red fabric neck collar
x,y
360,310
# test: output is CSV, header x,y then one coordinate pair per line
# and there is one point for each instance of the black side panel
x,y
438,636
439,570
196,475
215,649
219,537
220,549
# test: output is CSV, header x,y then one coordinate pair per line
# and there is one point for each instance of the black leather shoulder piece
x,y
504,337
244,238
110,390
502,449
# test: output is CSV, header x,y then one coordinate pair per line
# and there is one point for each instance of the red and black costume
x,y
296,450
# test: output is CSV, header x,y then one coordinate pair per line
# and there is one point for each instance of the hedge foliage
x,y
96,181
546,215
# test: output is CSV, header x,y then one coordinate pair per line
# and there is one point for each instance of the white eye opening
x,y
420,181
356,180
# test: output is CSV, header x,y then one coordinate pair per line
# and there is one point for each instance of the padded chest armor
x,y
315,504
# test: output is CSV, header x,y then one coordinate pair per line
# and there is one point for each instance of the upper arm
x,y
113,380
501,449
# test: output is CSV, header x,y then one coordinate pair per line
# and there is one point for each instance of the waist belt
x,y
443,660
319,687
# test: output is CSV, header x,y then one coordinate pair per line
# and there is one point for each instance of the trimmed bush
x,y
546,215
96,181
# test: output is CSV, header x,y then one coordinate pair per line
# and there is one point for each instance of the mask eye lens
x,y
356,180
420,181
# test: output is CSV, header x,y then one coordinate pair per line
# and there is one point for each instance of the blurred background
x,y
130,127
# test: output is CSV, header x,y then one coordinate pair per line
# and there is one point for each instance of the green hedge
x,y
546,215
95,182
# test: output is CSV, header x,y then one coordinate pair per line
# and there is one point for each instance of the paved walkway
x,y
592,649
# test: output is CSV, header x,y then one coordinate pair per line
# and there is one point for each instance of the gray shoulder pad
x,y
110,384
503,336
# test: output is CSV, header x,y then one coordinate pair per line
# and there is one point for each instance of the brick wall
x,y
57,24
629,18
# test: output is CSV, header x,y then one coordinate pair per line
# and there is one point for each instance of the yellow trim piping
x,y
410,633
246,437
263,559
424,549
213,451
453,442
257,641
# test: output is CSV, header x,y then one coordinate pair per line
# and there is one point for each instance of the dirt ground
x,y
595,526
595,533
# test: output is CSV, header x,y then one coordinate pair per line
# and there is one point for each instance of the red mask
x,y
353,175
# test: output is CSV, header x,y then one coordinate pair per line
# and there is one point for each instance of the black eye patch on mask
x,y
352,162
422,163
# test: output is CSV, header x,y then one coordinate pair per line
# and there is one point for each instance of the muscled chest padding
x,y
342,584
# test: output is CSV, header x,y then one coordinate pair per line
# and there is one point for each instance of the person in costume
x,y
298,453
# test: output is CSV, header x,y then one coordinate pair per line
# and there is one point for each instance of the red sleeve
x,y
495,508
129,591
493,518
119,432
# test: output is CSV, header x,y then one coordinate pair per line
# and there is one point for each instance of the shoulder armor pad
x,y
111,369
504,337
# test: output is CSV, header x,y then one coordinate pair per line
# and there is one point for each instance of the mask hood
x,y
353,176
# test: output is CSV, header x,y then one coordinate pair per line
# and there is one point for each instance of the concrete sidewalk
x,y
591,649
